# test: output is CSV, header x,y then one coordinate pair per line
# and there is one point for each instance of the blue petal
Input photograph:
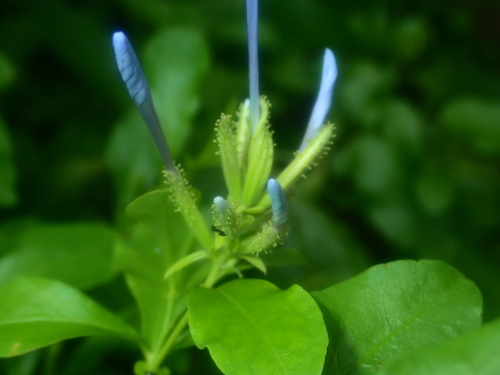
x,y
130,69
137,86
279,203
324,100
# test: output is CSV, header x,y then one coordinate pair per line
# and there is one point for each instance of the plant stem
x,y
181,324
215,271
211,279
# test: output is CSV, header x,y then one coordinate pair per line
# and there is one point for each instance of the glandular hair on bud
x,y
266,239
183,196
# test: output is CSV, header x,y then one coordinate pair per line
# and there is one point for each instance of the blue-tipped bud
x,y
137,86
252,22
324,100
221,205
226,219
279,203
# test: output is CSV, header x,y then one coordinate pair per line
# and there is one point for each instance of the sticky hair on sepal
x,y
183,196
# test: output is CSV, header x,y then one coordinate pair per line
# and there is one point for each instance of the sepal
x,y
243,133
183,196
304,160
229,155
260,158
266,239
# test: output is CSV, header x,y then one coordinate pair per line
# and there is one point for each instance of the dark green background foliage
x,y
414,171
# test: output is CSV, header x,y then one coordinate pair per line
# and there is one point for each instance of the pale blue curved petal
x,y
324,100
137,86
279,203
130,69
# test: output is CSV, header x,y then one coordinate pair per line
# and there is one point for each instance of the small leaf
x,y
391,309
476,352
186,261
256,262
80,255
252,327
38,312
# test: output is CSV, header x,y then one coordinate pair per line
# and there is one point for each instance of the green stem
x,y
181,325
214,274
166,320
51,355
211,279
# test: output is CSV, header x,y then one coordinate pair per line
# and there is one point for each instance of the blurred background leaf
x,y
80,255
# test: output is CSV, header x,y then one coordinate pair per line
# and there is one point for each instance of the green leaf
x,y
80,255
158,240
474,353
256,262
392,309
252,327
37,312
175,61
8,194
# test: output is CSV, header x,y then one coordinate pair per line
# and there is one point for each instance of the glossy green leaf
x,y
391,309
252,327
80,255
37,312
175,60
474,353
8,195
159,238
